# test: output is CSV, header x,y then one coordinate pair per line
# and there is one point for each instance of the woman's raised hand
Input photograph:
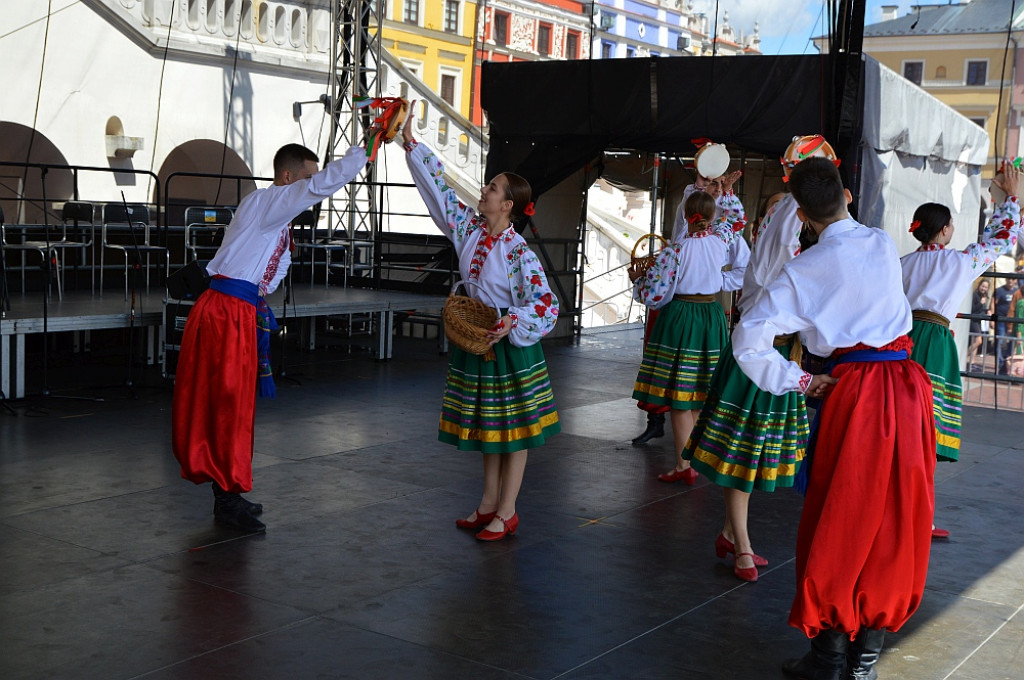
x,y
407,128
1009,181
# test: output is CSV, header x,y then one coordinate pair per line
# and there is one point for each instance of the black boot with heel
x,y
655,428
231,510
825,661
864,653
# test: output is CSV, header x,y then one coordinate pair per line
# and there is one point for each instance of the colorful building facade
x,y
966,56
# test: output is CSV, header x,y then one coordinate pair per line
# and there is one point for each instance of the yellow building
x,y
434,40
960,54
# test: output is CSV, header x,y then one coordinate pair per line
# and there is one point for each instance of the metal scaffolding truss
x,y
356,61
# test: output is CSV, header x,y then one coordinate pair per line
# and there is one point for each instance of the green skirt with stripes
x,y
935,350
498,406
746,438
680,355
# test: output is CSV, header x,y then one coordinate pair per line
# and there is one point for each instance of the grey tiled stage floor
x,y
112,568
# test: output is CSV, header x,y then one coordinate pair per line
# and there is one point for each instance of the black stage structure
x,y
576,110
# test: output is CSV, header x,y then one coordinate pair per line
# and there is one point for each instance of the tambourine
x,y
711,160
805,147
388,122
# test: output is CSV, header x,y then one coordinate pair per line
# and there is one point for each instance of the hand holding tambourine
x,y
392,113
730,179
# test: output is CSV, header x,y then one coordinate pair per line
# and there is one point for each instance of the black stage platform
x,y
82,312
113,569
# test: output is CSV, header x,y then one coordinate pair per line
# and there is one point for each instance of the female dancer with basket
x,y
936,280
502,406
746,438
690,330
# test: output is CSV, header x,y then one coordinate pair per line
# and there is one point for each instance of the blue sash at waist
x,y
237,288
863,355
265,323
803,475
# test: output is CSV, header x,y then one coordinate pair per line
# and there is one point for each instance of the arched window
x,y
246,22
280,25
263,23
940,72
231,12
211,15
192,14
298,32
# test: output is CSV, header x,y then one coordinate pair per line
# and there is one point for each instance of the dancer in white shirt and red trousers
x,y
221,361
865,531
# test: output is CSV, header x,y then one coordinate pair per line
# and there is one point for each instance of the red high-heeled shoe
x,y
482,520
748,574
940,533
687,476
508,528
723,547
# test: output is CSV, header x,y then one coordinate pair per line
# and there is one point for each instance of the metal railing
x,y
994,374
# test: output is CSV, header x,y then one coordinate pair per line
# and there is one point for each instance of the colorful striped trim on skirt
x,y
935,349
746,438
498,406
681,354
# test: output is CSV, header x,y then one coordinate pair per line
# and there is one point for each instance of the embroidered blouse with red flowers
x,y
727,201
506,273
693,265
938,279
776,242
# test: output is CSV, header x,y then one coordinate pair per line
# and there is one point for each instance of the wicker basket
x,y
466,322
641,263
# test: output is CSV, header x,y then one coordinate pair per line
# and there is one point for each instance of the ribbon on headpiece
x,y
914,225
385,125
804,151
529,209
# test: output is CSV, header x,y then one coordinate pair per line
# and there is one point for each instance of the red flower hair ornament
x,y
694,218
528,210
914,225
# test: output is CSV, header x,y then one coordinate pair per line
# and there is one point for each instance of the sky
x,y
786,26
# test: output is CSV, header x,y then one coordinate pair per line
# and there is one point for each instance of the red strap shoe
x,y
508,528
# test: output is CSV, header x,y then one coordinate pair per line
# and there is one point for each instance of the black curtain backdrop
x,y
549,119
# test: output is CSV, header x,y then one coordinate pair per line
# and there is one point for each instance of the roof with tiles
x,y
978,16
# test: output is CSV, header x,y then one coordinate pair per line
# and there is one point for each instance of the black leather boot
x,y
864,653
825,661
229,510
655,428
253,508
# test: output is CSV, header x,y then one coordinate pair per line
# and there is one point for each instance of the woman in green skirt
x,y
746,438
502,405
690,330
936,280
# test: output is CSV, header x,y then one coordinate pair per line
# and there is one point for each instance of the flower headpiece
x,y
528,210
914,225
694,218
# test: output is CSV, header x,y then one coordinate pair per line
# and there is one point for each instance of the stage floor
x,y
113,568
